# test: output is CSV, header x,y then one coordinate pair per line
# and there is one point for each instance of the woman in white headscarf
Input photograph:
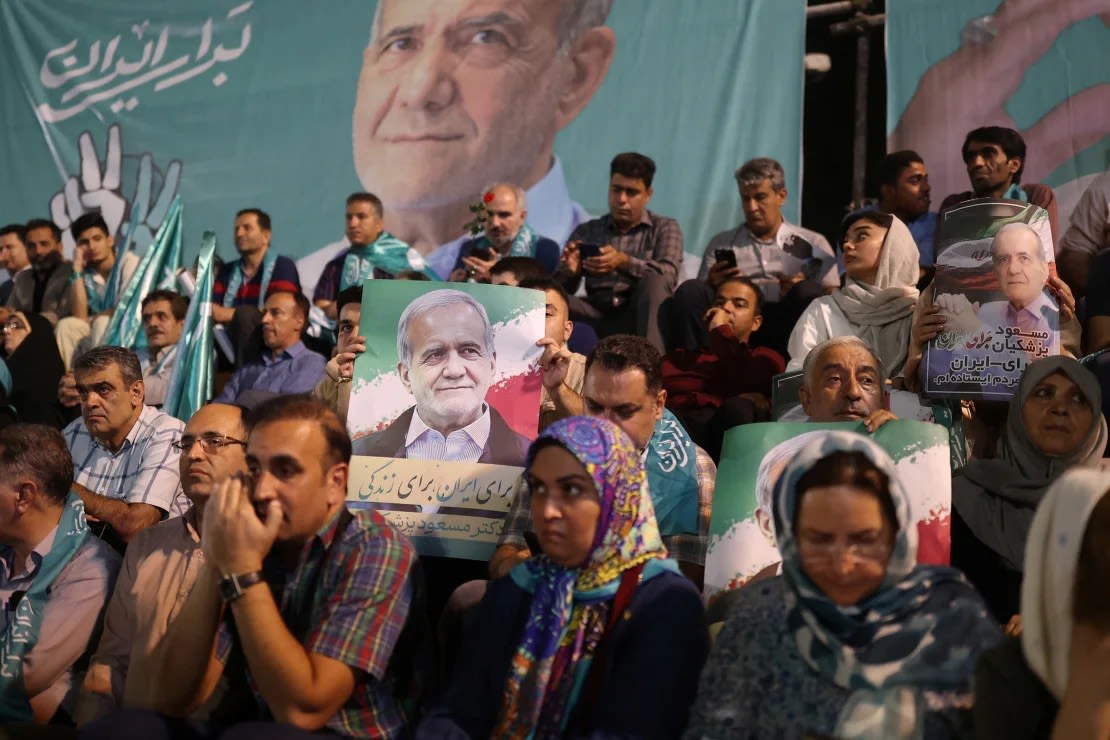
x,y
877,301
1054,680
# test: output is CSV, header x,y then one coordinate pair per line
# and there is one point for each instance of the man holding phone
x,y
507,234
630,257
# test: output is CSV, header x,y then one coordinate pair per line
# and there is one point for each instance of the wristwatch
x,y
234,586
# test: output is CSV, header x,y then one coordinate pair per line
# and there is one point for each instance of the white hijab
x,y
1051,559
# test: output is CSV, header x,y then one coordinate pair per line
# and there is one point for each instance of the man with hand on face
x,y
44,289
242,286
563,370
123,456
624,384
842,381
447,361
287,365
334,388
507,234
631,257
161,567
322,603
13,257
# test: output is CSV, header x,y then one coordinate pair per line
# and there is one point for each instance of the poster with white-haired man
x,y
444,403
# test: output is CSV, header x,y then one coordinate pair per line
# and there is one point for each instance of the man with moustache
x,y
446,361
456,94
842,381
904,191
161,567
44,289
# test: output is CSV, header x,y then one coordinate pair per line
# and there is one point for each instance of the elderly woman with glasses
x,y
854,639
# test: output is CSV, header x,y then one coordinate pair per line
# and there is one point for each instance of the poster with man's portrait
x,y
742,533
444,404
994,260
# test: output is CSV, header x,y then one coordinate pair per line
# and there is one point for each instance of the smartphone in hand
x,y
586,250
725,255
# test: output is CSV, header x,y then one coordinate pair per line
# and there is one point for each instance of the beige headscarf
x,y
1051,559
884,311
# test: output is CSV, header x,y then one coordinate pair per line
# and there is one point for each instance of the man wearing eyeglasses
x,y
160,568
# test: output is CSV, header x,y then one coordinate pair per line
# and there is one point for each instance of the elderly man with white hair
x,y
1022,271
842,380
445,348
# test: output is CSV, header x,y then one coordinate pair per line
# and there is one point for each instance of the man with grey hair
x,y
506,234
790,264
125,465
452,96
1020,266
842,380
447,359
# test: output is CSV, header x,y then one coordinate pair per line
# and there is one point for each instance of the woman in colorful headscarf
x,y
854,640
601,633
1054,422
1057,673
877,300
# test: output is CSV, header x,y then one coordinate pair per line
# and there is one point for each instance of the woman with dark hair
x,y
1054,422
1054,680
36,367
601,635
854,639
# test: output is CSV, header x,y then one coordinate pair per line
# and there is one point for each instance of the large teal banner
x,y
1039,66
290,106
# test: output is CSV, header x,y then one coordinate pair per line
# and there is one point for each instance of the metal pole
x,y
859,144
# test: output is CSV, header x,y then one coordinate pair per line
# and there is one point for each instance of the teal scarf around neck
x,y
524,243
235,282
387,253
23,624
672,472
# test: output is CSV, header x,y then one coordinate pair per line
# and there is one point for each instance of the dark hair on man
x,y
546,283
849,469
522,268
179,304
370,198
412,275
352,294
19,230
262,217
620,352
634,166
101,358
42,223
303,407
38,452
299,298
892,165
744,280
1090,598
1006,139
86,221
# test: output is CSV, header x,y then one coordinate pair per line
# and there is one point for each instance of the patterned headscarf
x,y
570,606
923,628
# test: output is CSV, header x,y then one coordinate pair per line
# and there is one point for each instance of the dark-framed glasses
x,y
210,443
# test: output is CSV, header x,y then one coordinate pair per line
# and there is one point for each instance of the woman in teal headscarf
x,y
854,640
601,633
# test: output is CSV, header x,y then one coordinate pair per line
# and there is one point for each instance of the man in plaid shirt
x,y
624,384
320,598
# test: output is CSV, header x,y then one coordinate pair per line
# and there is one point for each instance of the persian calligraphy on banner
x,y
741,531
994,258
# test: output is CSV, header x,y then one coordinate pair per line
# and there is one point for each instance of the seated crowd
x,y
205,577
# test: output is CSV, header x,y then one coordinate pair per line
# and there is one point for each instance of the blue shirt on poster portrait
x,y
295,370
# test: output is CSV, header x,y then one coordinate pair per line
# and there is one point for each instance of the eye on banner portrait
x,y
994,259
444,404
741,531
1038,66
120,105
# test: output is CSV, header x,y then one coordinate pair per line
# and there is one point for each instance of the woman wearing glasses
x,y
36,366
854,639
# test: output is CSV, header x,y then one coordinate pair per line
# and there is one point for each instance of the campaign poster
x,y
444,404
994,258
741,531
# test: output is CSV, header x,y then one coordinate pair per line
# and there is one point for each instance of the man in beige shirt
x,y
160,568
563,371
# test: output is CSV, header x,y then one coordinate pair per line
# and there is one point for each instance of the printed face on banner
x,y
993,263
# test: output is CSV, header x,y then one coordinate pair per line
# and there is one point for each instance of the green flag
x,y
157,269
191,383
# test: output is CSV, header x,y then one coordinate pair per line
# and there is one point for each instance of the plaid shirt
x,y
358,602
685,547
143,471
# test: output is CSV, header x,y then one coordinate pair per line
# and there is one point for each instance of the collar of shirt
x,y
189,521
645,220
34,560
129,440
146,359
1034,309
292,352
478,430
317,543
551,213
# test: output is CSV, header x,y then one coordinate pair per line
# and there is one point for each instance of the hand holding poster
x,y
994,259
444,404
741,531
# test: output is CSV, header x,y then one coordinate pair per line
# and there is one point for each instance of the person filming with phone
x,y
631,258
506,234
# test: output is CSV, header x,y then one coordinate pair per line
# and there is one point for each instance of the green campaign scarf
x,y
387,253
235,282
